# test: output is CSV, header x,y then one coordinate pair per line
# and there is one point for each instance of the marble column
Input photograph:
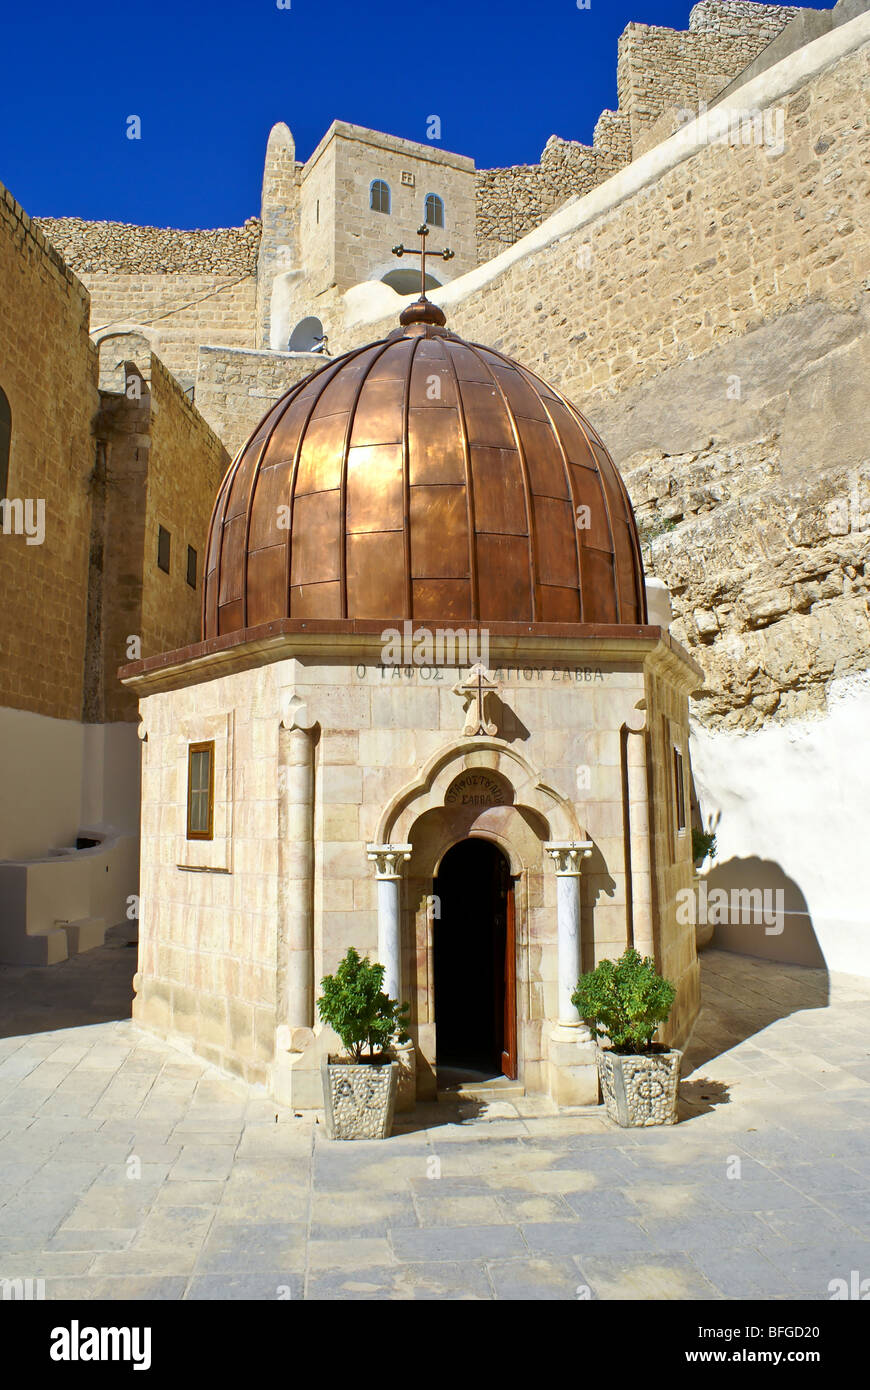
x,y
387,860
296,888
567,856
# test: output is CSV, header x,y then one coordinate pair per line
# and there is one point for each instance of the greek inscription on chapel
x,y
507,676
475,789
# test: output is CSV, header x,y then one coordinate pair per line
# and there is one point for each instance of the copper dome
x,y
428,478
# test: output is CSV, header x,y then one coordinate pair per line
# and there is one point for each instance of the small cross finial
x,y
445,255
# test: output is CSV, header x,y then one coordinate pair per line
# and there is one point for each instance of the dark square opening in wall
x,y
164,547
191,566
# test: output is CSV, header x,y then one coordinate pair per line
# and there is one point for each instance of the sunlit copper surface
x,y
428,478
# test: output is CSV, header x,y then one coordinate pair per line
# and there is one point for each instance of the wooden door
x,y
509,1052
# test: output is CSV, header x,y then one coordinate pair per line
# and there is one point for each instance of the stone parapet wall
x,y
657,68
660,67
121,248
740,20
513,200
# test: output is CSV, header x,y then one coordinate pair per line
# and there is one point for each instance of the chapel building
x,y
429,717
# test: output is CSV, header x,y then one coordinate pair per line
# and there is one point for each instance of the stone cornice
x,y
396,144
359,641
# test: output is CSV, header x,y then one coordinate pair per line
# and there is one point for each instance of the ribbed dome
x,y
428,478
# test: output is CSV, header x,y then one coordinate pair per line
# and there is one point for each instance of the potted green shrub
x,y
359,1090
703,845
624,1001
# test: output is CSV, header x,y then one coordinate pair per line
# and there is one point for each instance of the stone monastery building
x,y
440,656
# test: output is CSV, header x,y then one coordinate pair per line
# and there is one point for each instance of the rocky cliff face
x,y
769,580
754,506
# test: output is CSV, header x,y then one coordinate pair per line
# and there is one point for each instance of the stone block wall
x,y
666,728
207,954
187,463
48,370
158,464
657,69
176,311
235,388
315,266
364,239
90,248
117,543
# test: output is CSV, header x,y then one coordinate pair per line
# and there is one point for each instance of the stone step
x,y
47,947
85,934
500,1088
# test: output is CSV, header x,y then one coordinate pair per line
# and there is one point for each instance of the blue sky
x,y
209,79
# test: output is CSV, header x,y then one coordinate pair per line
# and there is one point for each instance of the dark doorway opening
x,y
475,961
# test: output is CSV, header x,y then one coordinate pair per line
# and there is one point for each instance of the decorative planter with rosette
x,y
359,1099
640,1089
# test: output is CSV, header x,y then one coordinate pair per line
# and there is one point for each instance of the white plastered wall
x,y
795,796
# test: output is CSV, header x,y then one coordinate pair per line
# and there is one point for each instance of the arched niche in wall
x,y
407,281
306,335
116,349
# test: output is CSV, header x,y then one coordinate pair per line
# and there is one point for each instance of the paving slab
x,y
130,1169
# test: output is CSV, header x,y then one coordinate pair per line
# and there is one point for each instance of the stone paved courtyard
x,y
130,1170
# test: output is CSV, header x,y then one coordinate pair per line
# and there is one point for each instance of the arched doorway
x,y
475,961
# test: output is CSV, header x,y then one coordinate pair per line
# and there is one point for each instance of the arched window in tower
x,y
379,196
5,441
434,210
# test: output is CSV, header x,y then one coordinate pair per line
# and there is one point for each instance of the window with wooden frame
x,y
379,196
200,791
679,791
434,210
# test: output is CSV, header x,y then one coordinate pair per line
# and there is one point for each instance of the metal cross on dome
x,y
445,255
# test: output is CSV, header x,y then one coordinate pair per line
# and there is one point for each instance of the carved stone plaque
x,y
477,788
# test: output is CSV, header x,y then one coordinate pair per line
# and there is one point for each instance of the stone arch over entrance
x,y
479,788
429,790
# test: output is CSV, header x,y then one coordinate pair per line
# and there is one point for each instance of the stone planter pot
x,y
640,1090
359,1100
405,1056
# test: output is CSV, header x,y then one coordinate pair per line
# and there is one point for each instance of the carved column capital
x,y
295,713
388,859
567,855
